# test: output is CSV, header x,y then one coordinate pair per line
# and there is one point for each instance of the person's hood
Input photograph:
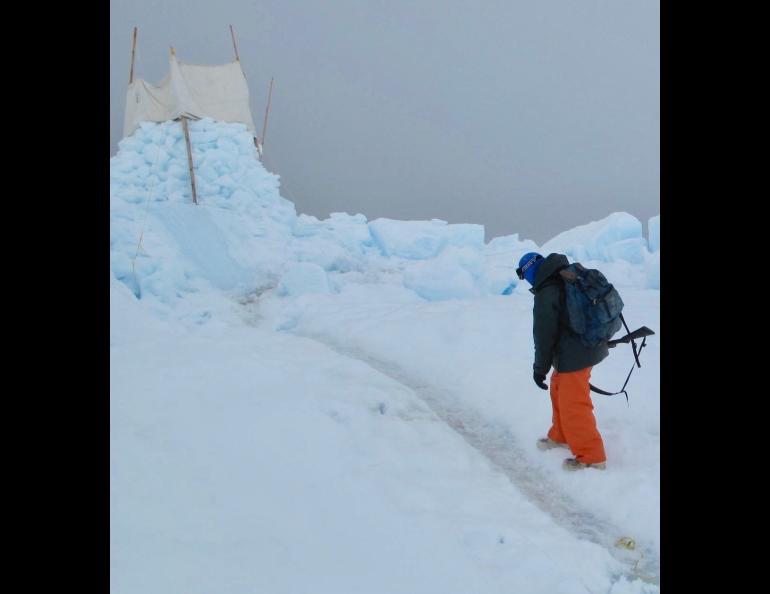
x,y
552,264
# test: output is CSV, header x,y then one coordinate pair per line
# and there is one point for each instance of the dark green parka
x,y
555,343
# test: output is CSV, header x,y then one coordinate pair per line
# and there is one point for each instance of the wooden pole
x,y
267,111
235,47
189,158
133,53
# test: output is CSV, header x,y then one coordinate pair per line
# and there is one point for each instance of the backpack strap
x,y
633,343
623,389
605,393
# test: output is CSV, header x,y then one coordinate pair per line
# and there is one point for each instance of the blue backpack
x,y
593,305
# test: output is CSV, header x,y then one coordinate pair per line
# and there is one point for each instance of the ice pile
x,y
243,236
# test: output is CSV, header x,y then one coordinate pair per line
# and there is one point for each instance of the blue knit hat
x,y
528,266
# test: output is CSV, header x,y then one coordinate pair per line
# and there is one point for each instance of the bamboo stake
x,y
267,111
189,158
133,53
235,47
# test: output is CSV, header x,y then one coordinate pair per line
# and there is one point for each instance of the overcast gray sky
x,y
529,116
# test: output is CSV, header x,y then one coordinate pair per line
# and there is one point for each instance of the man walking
x,y
573,423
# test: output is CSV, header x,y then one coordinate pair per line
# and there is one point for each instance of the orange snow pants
x,y
573,417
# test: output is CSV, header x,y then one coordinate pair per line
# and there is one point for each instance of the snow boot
x,y
546,443
573,464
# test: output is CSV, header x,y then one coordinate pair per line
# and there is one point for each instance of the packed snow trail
x,y
479,352
496,443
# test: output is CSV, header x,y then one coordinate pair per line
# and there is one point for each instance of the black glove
x,y
539,380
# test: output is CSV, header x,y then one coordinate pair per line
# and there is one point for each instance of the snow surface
x,y
304,405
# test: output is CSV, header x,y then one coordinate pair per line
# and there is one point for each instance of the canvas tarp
x,y
193,91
